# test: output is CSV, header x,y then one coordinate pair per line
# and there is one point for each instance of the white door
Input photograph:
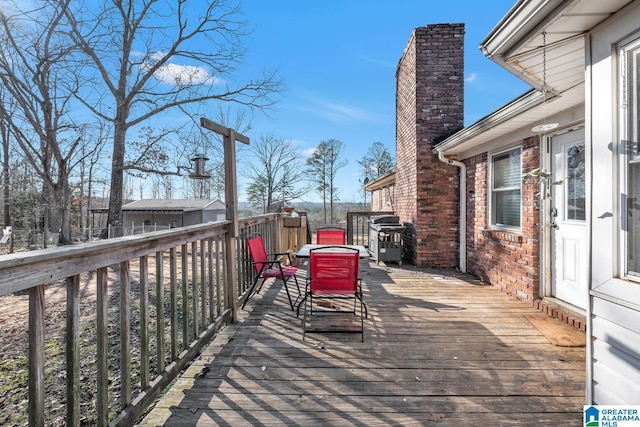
x,y
568,219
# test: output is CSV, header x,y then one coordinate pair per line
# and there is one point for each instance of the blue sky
x,y
338,60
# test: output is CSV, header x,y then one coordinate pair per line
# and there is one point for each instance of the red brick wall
x,y
406,112
429,107
507,260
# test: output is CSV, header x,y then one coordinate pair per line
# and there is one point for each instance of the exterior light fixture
x,y
199,172
544,128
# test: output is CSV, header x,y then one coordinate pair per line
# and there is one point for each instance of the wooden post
x,y
229,137
36,356
102,346
144,322
73,350
125,335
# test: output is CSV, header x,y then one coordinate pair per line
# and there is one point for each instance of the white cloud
x,y
339,112
308,152
183,75
179,75
378,62
471,77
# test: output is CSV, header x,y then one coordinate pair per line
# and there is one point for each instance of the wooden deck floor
x,y
440,349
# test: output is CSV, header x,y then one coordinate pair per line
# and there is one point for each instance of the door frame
x,y
546,263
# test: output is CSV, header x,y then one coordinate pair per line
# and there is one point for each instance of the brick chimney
x,y
429,107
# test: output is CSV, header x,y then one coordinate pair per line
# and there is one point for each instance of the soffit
x,y
543,43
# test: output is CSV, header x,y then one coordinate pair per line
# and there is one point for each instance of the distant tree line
x,y
279,174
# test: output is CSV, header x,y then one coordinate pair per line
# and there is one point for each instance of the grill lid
x,y
387,227
384,219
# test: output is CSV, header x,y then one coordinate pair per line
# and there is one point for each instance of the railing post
x,y
72,340
102,347
125,335
144,322
36,356
231,293
229,138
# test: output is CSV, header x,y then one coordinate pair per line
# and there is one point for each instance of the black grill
x,y
385,238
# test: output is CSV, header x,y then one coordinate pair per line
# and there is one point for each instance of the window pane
x,y
575,184
505,196
633,219
633,167
506,170
506,208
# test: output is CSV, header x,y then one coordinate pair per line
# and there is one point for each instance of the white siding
x,y
615,304
616,360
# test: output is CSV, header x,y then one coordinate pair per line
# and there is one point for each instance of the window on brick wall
x,y
630,150
506,179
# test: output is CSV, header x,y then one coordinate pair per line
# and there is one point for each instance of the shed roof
x,y
172,205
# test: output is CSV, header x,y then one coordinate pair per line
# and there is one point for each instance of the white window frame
x,y
491,214
629,129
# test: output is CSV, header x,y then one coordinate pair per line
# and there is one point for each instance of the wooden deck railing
x,y
358,226
170,292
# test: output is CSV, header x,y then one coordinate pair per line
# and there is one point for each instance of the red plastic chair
x,y
334,273
331,236
269,266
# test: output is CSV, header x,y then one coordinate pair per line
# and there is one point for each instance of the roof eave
x,y
522,21
518,106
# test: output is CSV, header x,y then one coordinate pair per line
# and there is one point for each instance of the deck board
x,y
439,348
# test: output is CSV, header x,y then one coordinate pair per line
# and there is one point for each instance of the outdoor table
x,y
303,252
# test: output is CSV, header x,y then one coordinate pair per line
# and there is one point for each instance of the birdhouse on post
x,y
199,172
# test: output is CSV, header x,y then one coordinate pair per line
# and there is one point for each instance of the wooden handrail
x,y
187,267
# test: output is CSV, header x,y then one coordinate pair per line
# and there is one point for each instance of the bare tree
x,y
323,167
5,137
376,162
275,173
34,69
150,57
210,145
91,160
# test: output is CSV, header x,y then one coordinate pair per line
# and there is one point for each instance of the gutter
x,y
522,104
463,208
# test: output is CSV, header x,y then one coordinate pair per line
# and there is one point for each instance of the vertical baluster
x,y
144,322
160,311
225,268
72,340
218,287
173,277
102,347
212,308
185,297
36,356
194,285
203,285
125,335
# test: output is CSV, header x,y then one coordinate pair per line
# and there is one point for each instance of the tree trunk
x,y
114,218
7,185
59,211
